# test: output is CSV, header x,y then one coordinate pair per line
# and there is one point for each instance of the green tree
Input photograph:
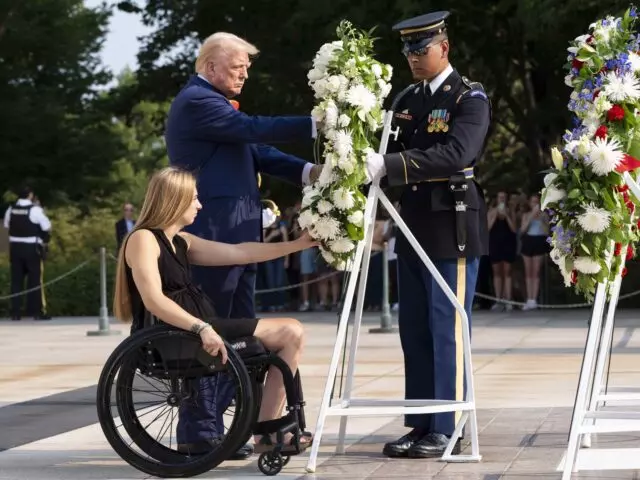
x,y
54,135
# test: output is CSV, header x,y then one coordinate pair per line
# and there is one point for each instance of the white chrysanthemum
x,y
360,96
325,228
377,70
586,265
551,195
356,218
619,88
605,156
549,178
343,143
307,219
324,207
344,120
634,60
342,245
343,199
594,219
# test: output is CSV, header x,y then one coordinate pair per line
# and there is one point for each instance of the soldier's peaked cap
x,y
418,32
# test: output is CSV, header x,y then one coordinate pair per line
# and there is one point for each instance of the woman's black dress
x,y
177,284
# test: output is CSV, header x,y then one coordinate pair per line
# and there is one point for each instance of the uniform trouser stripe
x,y
431,335
460,295
42,296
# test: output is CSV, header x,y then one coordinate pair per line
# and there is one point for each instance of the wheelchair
x,y
165,368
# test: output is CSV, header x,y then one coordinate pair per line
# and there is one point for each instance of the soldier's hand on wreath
x,y
374,166
213,343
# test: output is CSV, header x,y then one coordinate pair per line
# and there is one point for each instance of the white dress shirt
x,y
36,215
440,78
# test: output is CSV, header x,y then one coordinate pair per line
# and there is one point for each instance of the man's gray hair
x,y
222,42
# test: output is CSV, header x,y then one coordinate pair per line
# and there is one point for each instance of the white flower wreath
x,y
349,86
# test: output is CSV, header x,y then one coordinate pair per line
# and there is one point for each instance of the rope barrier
x,y
324,277
50,282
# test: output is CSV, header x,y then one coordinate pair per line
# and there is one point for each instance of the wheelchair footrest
x,y
285,424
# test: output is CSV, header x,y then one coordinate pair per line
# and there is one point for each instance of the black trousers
x,y
26,261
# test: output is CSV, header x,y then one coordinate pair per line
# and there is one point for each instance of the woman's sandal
x,y
266,444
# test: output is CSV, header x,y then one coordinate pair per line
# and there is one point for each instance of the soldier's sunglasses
x,y
419,52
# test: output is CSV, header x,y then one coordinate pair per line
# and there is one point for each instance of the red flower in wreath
x,y
601,132
617,249
577,64
623,273
574,277
615,113
630,252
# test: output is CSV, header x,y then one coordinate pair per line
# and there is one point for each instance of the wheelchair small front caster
x,y
270,463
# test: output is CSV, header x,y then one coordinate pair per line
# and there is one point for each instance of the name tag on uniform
x,y
403,115
438,121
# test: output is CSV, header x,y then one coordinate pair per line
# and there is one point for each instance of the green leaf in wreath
x,y
575,193
634,147
591,195
585,248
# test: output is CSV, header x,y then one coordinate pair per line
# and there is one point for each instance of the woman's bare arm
x,y
142,252
213,254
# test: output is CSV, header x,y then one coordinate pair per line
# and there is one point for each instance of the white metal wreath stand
x,y
592,389
348,406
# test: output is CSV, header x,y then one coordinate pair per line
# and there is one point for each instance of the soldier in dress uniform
x,y
443,120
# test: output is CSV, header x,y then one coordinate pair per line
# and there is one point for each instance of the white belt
x,y
25,240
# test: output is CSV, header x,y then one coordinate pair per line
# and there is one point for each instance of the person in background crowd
x,y
275,270
29,234
535,230
125,224
502,248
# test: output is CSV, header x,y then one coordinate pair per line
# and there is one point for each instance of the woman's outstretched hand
x,y
213,343
306,241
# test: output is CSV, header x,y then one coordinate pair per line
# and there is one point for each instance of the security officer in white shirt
x,y
29,233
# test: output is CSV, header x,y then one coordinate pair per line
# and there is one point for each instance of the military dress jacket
x,y
441,134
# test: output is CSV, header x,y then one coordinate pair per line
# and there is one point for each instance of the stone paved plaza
x,y
526,371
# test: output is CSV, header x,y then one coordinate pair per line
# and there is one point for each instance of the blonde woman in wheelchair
x,y
153,276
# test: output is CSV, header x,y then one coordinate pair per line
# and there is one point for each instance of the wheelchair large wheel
x,y
171,372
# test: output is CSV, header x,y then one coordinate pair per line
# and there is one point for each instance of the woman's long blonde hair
x,y
169,195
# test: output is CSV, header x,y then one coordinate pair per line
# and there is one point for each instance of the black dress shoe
x,y
243,452
432,445
401,447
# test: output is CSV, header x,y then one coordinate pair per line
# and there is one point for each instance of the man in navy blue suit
x,y
227,149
